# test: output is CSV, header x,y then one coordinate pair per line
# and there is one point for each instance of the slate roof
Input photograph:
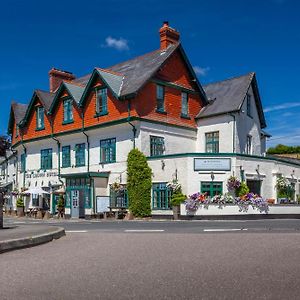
x,y
114,80
46,98
135,72
19,111
228,95
75,90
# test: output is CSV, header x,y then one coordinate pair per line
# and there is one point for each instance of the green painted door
x,y
212,188
54,203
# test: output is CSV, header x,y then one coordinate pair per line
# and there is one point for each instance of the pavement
x,y
15,237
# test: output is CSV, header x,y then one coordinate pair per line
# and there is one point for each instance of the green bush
x,y
20,202
177,198
61,202
242,190
139,184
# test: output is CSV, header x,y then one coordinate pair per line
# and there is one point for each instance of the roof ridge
x,y
231,78
111,72
136,57
74,83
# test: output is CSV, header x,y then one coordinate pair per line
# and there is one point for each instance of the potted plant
x,y
61,206
176,199
20,207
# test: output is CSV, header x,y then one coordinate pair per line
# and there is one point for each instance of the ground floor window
x,y
161,196
118,197
212,188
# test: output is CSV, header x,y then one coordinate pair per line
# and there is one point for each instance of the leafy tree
x,y
139,183
283,149
4,145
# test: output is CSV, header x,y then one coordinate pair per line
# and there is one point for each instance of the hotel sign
x,y
41,175
212,164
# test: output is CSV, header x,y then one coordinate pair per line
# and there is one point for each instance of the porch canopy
x,y
35,191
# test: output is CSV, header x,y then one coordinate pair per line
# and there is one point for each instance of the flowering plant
x,y
117,187
233,183
174,185
250,199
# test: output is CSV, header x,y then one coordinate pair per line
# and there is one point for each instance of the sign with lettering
x,y
41,175
212,164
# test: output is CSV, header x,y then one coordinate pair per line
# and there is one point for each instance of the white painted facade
x,y
182,147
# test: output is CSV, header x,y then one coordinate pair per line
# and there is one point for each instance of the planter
x,y
176,212
20,211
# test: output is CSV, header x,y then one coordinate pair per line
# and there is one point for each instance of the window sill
x,y
185,117
67,122
163,112
78,166
39,129
106,162
64,167
100,114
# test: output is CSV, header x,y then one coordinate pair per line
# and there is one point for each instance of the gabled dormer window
x,y
40,113
101,102
68,111
160,98
249,111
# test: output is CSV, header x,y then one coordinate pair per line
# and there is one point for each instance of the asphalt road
x,y
203,226
155,265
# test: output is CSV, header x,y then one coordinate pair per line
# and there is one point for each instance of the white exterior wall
x,y
177,140
246,125
224,124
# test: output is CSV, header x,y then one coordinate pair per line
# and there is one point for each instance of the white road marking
x,y
76,231
144,230
225,229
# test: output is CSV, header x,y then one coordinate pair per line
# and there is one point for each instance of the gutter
x,y
134,130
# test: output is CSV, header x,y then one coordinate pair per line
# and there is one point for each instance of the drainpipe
x,y
25,151
87,141
58,152
233,131
15,154
134,130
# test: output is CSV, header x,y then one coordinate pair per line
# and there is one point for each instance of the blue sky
x,y
222,39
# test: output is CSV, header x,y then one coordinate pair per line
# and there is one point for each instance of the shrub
x,y
242,190
61,202
139,184
177,198
20,202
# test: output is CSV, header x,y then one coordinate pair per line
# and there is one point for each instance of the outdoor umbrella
x,y
35,191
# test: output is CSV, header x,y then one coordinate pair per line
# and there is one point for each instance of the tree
x,y
4,145
283,149
139,182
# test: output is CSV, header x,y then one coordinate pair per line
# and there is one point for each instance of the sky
x,y
222,39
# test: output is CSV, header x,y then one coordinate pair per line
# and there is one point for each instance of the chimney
x,y
57,76
168,36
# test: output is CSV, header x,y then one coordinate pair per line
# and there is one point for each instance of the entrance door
x,y
75,204
254,186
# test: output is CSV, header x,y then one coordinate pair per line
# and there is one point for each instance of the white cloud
x,y
282,106
201,71
119,44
